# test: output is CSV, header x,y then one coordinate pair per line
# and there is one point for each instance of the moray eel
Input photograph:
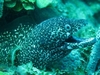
x,y
43,45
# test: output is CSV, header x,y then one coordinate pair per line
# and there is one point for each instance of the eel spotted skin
x,y
43,45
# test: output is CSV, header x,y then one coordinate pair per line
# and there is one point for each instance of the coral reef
x,y
43,3
20,4
94,56
78,54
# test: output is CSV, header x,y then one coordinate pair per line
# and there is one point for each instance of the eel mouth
x,y
73,39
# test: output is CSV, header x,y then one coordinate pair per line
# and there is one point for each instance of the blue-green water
x,y
50,37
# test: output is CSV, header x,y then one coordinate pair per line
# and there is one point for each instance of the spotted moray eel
x,y
43,45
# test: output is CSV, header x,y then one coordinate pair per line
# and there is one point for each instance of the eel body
x,y
43,45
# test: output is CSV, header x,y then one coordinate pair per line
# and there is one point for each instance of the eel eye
x,y
67,27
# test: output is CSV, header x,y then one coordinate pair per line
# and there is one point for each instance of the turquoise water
x,y
50,37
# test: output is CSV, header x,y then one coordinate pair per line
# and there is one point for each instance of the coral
x,y
28,68
6,73
94,56
72,8
28,4
19,5
86,32
10,3
43,3
74,58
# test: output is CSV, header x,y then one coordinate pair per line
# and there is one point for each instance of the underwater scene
x,y
49,37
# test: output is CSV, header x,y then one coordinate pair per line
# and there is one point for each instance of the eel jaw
x,y
73,39
75,42
71,43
